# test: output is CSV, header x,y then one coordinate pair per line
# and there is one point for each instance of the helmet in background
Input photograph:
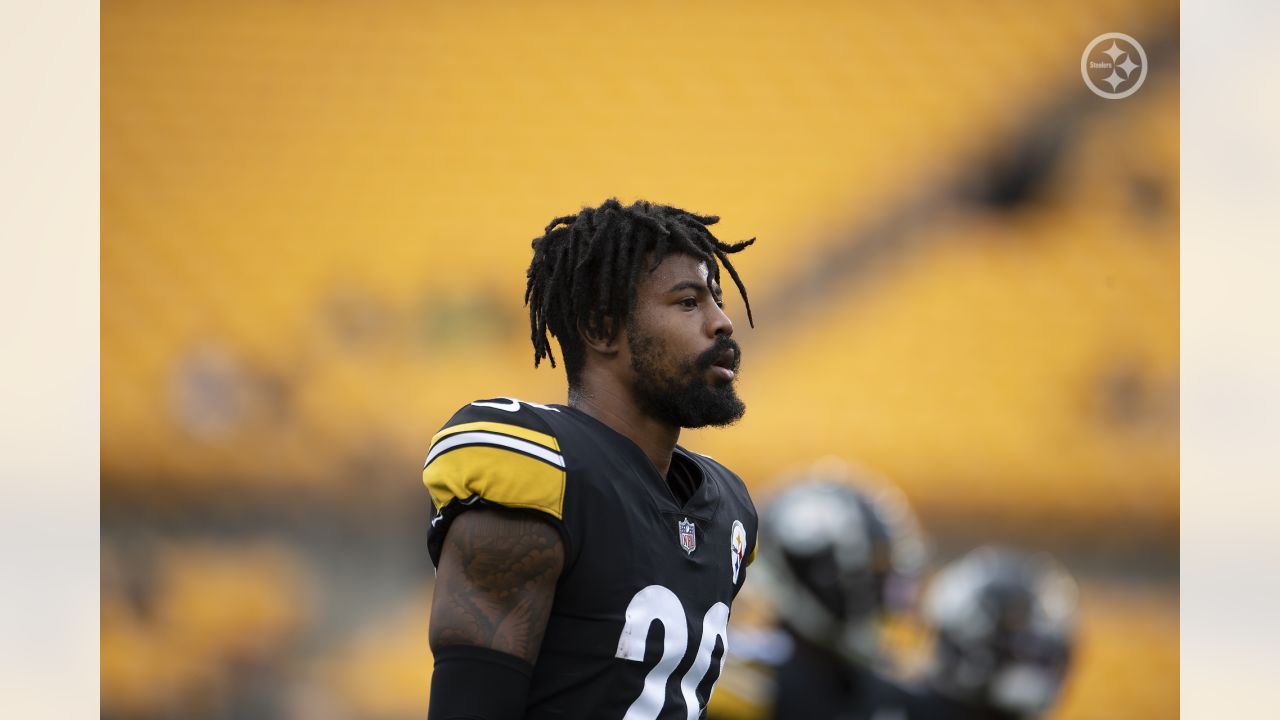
x,y
838,551
1004,625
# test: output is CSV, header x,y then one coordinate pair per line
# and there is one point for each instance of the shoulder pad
x,y
499,450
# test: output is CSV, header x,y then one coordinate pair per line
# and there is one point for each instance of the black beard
x,y
684,399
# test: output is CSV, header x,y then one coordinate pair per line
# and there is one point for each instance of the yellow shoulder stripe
x,y
497,475
752,557
533,436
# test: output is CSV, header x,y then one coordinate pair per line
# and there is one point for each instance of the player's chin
x,y
723,407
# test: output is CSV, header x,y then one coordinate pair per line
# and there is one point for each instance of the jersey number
x,y
657,603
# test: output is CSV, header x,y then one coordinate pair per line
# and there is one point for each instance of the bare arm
x,y
495,583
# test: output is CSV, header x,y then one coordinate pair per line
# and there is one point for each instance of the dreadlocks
x,y
585,268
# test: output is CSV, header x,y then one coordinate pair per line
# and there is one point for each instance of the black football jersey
x,y
638,627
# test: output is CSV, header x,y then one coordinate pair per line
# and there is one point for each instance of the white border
x,y
1230,572
49,369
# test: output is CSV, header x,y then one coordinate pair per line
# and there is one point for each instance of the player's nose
x,y
720,324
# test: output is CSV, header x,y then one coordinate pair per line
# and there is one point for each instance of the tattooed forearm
x,y
496,580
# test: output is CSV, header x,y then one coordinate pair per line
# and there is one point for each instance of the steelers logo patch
x,y
737,548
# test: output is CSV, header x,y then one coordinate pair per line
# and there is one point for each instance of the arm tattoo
x,y
496,580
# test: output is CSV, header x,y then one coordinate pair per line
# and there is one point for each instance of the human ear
x,y
602,338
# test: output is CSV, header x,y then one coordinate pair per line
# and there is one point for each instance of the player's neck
x,y
615,407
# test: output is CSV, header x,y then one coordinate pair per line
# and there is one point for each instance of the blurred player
x,y
840,555
1004,625
585,561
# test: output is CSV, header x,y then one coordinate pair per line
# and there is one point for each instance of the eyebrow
x,y
694,285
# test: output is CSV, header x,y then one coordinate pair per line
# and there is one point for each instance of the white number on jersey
x,y
658,604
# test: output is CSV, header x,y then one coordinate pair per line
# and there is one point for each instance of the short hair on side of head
x,y
585,269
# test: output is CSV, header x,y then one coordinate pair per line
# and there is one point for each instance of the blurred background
x,y
315,223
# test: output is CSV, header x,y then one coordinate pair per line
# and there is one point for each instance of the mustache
x,y
723,343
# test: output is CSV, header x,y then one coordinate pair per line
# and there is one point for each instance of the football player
x,y
841,555
586,562
1004,624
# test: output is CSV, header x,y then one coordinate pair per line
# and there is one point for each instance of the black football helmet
x,y
1004,624
839,550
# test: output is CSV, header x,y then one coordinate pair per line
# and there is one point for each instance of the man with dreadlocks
x,y
585,562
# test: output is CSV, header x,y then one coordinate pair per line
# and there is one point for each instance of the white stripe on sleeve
x,y
488,438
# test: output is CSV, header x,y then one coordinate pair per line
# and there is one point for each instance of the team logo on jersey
x,y
737,548
688,538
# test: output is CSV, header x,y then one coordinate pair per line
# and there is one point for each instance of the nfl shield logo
x,y
688,540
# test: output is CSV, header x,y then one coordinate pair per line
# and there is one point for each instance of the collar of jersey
x,y
702,503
